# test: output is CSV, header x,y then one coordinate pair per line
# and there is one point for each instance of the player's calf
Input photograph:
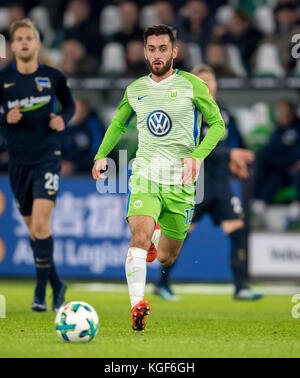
x,y
59,296
42,251
136,274
238,259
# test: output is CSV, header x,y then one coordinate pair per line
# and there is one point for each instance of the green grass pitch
x,y
197,326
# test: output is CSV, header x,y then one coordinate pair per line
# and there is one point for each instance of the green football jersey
x,y
169,117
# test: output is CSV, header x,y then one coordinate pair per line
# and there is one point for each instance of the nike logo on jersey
x,y
8,85
139,98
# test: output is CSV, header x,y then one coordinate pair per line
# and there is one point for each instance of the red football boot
x,y
152,253
139,313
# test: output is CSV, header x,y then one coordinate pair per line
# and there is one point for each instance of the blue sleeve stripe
x,y
128,202
129,119
195,125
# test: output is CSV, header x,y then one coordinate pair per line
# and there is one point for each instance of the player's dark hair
x,y
241,15
289,103
289,6
161,30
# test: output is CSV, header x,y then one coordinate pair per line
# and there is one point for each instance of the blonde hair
x,y
25,23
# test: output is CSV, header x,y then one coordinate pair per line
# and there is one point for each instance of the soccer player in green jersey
x,y
169,105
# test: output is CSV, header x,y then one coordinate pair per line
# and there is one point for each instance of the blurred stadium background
x,y
99,46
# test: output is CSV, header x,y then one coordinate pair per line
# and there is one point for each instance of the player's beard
x,y
163,69
26,58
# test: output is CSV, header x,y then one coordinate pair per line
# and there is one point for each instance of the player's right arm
x,y
11,117
14,115
2,115
112,136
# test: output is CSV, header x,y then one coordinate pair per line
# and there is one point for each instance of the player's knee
x,y
140,239
40,228
231,226
167,261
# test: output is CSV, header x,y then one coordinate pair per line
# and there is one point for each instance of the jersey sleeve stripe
x,y
128,200
129,118
195,125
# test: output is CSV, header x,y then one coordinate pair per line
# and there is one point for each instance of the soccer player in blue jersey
x,y
28,94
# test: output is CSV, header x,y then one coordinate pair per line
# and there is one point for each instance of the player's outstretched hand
x,y
237,154
100,165
56,122
191,228
14,115
240,158
190,170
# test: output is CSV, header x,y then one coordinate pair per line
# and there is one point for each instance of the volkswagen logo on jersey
x,y
159,123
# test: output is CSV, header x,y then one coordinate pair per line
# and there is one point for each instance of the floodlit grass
x,y
197,326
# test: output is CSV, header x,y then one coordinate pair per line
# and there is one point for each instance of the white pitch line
x,y
206,289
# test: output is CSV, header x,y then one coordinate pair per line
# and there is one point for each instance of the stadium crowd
x,y
237,38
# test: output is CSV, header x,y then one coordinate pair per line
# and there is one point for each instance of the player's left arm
x,y
211,112
232,151
64,95
204,102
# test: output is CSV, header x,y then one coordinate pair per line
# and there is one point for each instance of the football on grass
x,y
77,322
